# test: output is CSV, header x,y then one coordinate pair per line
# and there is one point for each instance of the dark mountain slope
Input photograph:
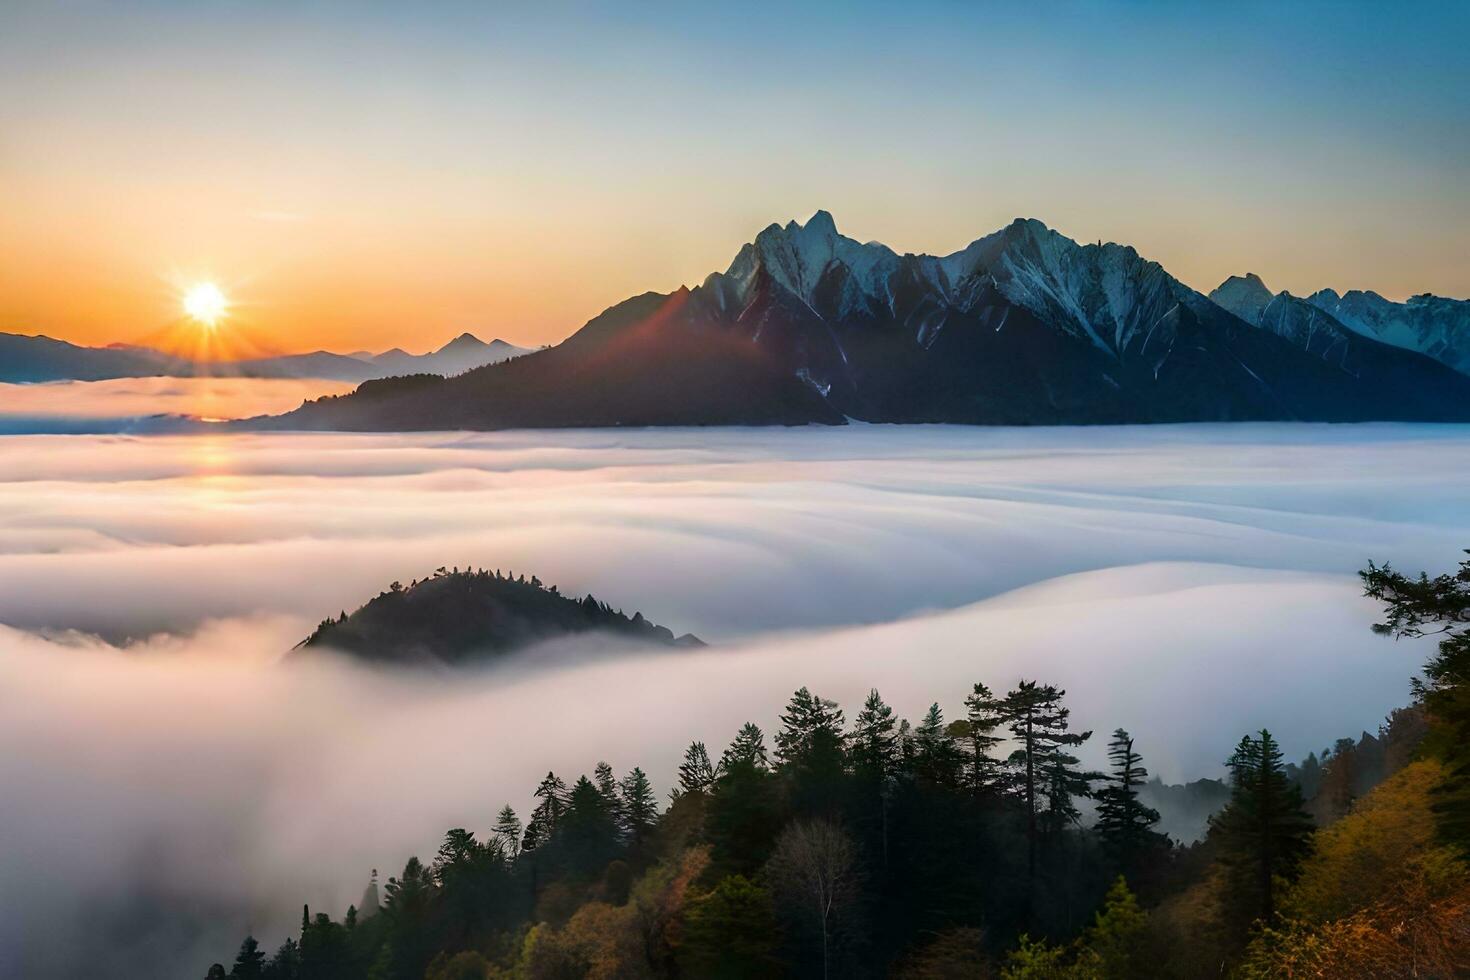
x,y
1432,325
1024,326
461,617
1418,386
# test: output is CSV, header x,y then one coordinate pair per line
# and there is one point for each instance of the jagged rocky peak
x,y
1246,296
798,257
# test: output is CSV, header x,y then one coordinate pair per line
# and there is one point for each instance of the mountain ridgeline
x,y
1023,326
26,359
459,617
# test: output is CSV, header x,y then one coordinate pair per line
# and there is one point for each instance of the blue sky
x,y
354,166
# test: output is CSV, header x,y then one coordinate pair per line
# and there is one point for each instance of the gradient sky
x,y
364,176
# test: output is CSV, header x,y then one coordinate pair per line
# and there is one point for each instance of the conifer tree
x,y
749,747
984,716
936,759
249,961
1438,606
588,831
874,751
1038,722
407,907
1262,833
547,815
607,785
810,725
873,742
507,832
639,807
1123,821
696,773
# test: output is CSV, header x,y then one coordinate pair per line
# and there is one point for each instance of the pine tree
x,y
810,725
507,832
749,747
547,815
874,751
873,742
696,773
1123,821
810,749
985,714
639,807
1439,606
607,785
407,907
1039,723
249,961
1262,833
588,831
936,759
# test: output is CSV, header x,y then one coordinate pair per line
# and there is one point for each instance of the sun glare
x,y
204,302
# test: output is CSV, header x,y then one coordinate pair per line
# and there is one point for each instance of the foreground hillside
x,y
1023,326
950,848
460,617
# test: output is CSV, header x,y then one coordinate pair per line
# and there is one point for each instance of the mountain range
x,y
1023,326
27,359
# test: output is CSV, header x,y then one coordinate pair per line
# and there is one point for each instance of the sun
x,y
204,302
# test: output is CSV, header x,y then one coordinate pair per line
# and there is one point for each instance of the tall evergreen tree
x,y
809,725
749,747
1438,606
873,741
407,909
507,832
810,749
1262,833
607,785
552,794
936,758
696,773
1123,821
873,751
639,807
588,832
984,717
1038,722
249,961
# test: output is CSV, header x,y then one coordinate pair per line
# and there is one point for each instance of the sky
x,y
361,176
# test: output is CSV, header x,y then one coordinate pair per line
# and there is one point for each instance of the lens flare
x,y
205,303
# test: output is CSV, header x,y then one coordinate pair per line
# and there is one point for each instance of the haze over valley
x,y
146,637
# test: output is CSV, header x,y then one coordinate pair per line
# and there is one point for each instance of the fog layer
x,y
117,404
174,785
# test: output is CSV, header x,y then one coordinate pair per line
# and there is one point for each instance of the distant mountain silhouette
x,y
460,617
1023,326
36,359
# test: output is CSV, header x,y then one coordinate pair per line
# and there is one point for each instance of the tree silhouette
x,y
1262,833
1123,821
1037,720
985,715
696,773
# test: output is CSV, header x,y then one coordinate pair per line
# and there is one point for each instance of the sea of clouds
x,y
171,783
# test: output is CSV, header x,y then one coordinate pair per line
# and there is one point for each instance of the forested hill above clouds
x,y
1023,326
457,617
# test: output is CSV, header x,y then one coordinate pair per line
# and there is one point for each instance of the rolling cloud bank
x,y
1188,583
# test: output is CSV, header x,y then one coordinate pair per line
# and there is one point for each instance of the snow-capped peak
x,y
1245,296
